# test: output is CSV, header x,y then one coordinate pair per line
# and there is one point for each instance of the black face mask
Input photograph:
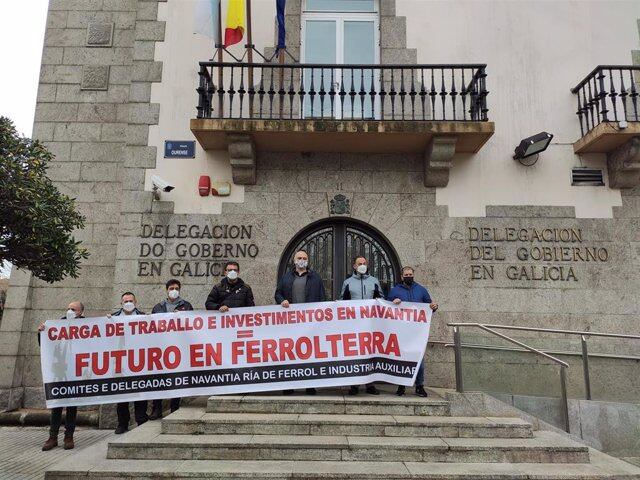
x,y
408,280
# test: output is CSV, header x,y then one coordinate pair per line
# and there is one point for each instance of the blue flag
x,y
280,4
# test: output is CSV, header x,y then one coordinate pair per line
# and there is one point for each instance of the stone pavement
x,y
21,457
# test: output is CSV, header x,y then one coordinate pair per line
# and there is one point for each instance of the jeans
x,y
420,375
69,422
174,404
139,412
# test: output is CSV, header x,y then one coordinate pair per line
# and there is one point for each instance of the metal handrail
x,y
607,94
563,365
546,330
592,73
479,346
288,91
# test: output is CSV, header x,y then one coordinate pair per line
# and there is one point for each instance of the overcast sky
x,y
21,36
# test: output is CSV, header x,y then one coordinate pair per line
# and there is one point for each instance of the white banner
x,y
166,355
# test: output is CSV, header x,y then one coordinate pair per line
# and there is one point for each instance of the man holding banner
x,y
361,286
301,285
411,291
75,310
128,302
231,292
173,303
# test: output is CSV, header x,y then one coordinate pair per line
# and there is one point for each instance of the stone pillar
x,y
82,118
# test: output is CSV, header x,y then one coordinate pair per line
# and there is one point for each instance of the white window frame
x,y
340,18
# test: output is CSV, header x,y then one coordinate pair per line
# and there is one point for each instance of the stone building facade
x,y
496,242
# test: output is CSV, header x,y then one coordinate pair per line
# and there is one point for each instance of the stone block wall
x,y
92,110
476,277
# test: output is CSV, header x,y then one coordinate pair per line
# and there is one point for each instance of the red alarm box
x,y
204,185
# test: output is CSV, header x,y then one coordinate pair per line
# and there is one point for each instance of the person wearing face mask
x,y
300,285
128,302
411,291
361,286
75,310
173,303
231,292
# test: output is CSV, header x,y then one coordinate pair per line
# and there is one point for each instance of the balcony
x,y
437,110
609,116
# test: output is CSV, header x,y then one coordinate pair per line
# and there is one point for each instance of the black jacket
x,y
232,295
314,291
181,306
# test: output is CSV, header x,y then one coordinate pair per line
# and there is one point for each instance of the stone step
x,y
191,421
267,470
147,443
330,404
91,465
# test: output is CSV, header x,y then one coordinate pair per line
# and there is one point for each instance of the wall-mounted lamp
x,y
532,146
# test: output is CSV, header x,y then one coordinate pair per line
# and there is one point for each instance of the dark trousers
x,y
174,404
69,422
139,412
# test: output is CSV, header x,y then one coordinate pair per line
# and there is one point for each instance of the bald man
x,y
74,310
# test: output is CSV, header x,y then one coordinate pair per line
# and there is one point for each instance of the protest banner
x,y
104,360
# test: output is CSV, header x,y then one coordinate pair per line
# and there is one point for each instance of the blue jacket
x,y
414,293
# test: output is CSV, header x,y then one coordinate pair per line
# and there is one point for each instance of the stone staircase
x,y
335,436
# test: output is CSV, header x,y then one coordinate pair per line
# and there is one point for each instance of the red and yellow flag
x,y
234,29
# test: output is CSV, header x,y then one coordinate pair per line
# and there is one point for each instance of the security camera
x,y
160,184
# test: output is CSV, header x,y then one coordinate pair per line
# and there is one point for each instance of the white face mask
x,y
232,274
301,263
173,294
71,314
362,269
128,306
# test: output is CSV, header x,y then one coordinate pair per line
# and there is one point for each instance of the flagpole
x,y
220,58
249,47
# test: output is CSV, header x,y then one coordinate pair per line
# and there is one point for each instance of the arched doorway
x,y
333,243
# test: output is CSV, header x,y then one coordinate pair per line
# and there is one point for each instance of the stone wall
x,y
92,110
470,266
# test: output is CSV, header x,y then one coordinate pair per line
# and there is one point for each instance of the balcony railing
x,y
356,92
608,94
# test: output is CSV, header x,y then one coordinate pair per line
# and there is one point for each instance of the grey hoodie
x,y
360,287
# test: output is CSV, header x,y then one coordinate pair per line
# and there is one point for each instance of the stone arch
x,y
333,243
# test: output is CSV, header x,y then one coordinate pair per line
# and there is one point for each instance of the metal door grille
x,y
332,246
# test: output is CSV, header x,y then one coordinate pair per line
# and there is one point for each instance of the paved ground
x,y
21,455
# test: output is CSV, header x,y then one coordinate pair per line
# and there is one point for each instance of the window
x,y
341,6
340,32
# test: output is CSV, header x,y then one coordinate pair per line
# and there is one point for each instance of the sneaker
x,y
420,391
49,444
311,391
155,414
353,390
288,392
120,429
400,391
68,443
372,390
